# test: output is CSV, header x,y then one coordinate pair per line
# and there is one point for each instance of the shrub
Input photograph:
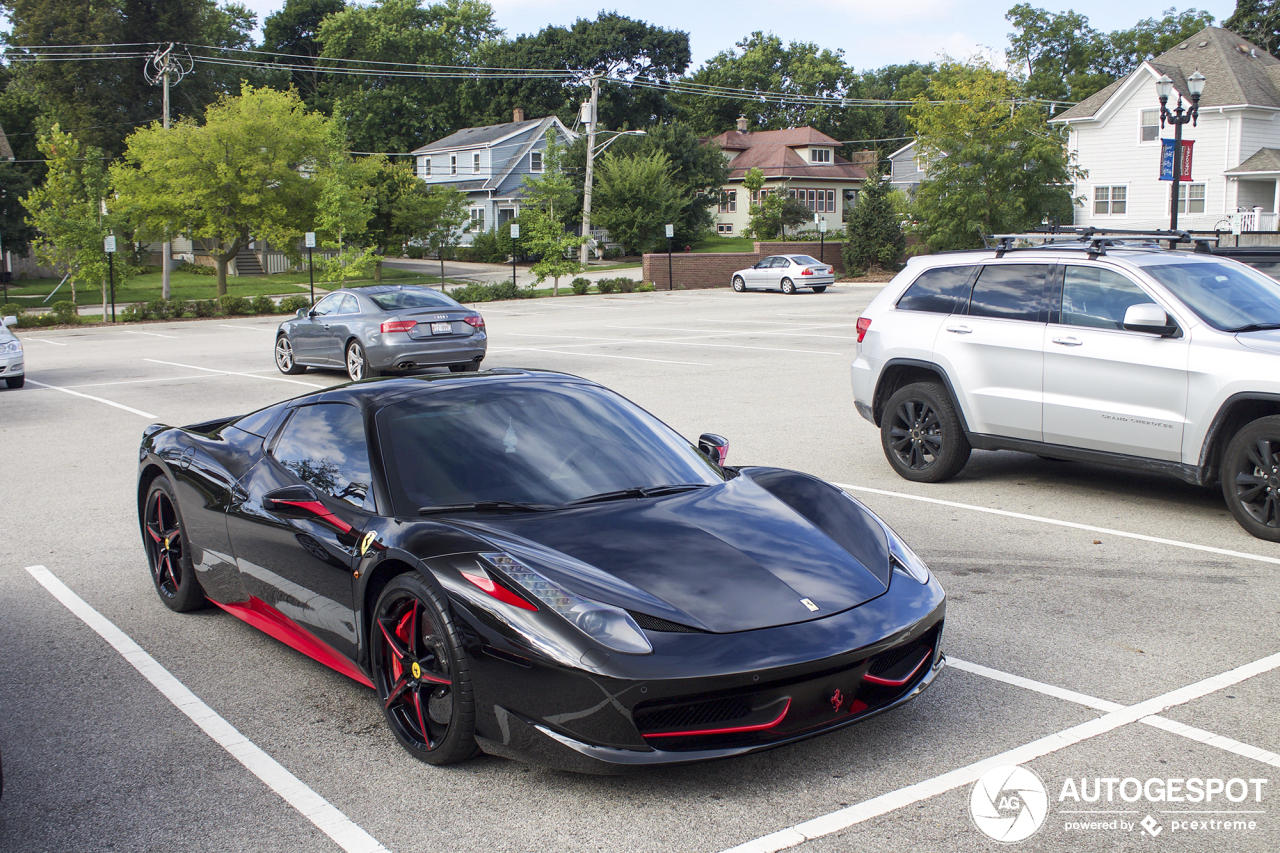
x,y
135,312
291,304
416,253
645,287
12,309
203,307
626,285
235,306
31,321
580,285
607,285
196,269
264,305
505,290
159,309
66,312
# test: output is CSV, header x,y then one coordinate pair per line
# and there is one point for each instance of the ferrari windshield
x,y
517,442
1229,297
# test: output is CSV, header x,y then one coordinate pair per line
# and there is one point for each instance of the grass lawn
x,y
725,244
189,286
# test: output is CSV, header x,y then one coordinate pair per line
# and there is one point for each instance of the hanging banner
x,y
1166,160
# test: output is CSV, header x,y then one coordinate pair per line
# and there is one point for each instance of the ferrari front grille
x,y
693,715
653,623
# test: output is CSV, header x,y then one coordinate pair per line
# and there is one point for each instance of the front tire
x,y
169,550
921,434
788,286
357,363
1251,477
285,361
15,381
421,672
738,284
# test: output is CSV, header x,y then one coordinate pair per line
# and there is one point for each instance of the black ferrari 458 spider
x,y
526,563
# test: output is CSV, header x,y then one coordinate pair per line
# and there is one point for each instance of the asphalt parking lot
x,y
1101,625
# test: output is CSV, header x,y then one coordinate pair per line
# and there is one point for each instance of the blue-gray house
x,y
489,164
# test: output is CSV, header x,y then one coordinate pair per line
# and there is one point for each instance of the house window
x,y
819,155
475,163
535,161
724,228
1191,198
1150,125
477,219
831,201
453,164
1110,201
729,201
811,202
424,166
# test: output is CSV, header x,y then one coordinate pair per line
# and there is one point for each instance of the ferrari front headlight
x,y
903,557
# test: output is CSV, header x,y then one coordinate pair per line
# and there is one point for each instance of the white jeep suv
x,y
1131,355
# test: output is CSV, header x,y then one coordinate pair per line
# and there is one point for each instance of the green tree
x,y
1258,21
444,218
553,190
546,197
16,229
996,165
345,203
403,210
67,210
389,113
293,31
875,232
636,197
242,175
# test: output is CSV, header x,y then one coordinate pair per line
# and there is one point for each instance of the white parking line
x,y
248,328
44,341
141,381
236,373
151,334
291,789
1072,524
842,819
705,334
780,322
673,343
95,399
595,355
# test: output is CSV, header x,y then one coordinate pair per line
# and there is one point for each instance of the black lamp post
x,y
1178,117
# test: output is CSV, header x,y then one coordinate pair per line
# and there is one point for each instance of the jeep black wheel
x,y
1251,477
921,434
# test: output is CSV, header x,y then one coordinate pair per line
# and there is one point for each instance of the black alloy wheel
x,y
1251,477
285,361
165,538
738,284
788,286
357,364
921,434
421,672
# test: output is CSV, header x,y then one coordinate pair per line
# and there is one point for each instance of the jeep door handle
x,y
960,330
1068,342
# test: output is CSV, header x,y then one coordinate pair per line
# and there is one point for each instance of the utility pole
x,y
160,67
591,155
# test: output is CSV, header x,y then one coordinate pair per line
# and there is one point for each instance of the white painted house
x,y
489,164
1115,137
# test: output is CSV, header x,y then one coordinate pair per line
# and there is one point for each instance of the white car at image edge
x,y
11,358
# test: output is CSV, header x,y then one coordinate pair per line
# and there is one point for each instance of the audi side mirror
x,y
303,312
714,447
1150,318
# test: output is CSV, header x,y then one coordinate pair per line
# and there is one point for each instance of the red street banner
x,y
1166,160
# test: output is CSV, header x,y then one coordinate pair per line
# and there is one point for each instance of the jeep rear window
x,y
1009,292
938,291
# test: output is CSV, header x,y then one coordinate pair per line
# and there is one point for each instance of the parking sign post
x,y
109,246
310,242
822,239
515,235
671,282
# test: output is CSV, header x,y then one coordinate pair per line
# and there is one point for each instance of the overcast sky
x,y
872,33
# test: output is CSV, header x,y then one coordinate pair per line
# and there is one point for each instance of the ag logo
x,y
1008,803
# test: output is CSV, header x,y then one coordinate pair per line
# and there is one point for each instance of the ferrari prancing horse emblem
x,y
809,604
837,699
367,541
417,670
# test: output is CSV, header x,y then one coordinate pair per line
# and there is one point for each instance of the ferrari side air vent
x,y
890,662
653,623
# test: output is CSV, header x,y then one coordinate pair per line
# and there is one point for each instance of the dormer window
x,y
819,155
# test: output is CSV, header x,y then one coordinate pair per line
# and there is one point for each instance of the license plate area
x,y
441,328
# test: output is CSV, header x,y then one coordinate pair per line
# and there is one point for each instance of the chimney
x,y
742,124
517,115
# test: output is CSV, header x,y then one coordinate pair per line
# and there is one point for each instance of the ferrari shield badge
x,y
809,604
417,670
367,541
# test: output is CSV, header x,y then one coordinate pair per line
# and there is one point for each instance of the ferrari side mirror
x,y
293,502
714,447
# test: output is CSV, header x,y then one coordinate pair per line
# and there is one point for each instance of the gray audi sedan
x,y
370,330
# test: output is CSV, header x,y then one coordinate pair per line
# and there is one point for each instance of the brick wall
x,y
696,271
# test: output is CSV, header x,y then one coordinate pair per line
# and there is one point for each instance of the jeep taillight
x,y
864,323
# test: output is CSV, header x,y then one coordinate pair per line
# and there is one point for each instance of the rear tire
x,y
358,363
15,381
788,286
738,284
1251,477
168,549
285,361
921,434
822,288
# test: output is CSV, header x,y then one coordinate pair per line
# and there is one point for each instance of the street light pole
x,y
591,157
1178,117
160,66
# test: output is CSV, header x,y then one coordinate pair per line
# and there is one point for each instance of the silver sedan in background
x,y
11,359
370,330
785,273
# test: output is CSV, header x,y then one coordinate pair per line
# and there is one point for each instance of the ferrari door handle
x,y
1068,342
960,330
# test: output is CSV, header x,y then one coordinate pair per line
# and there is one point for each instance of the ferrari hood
x,y
728,558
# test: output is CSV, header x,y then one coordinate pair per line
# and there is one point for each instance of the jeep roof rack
x,y
1094,240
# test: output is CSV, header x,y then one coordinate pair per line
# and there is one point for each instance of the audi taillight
x,y
398,325
864,323
477,321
